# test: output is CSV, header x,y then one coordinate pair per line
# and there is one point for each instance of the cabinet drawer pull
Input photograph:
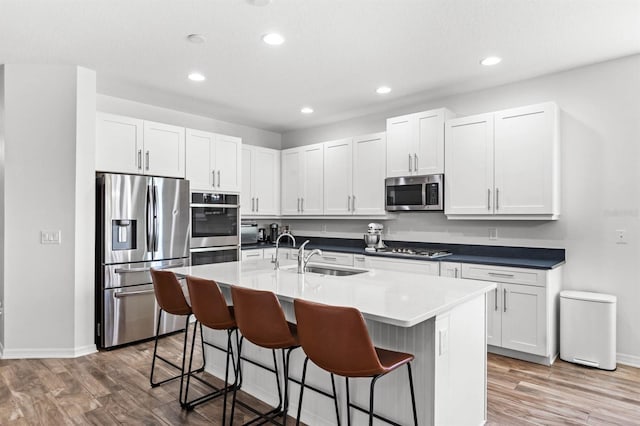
x,y
147,160
213,178
257,204
409,162
498,274
329,258
218,178
302,204
488,199
252,255
495,292
497,199
455,272
504,299
349,203
140,159
415,162
253,204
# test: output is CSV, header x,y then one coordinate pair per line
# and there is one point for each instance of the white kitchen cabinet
x,y
333,258
252,254
503,165
522,313
415,143
213,161
269,253
130,145
404,265
302,180
451,269
359,261
260,195
354,175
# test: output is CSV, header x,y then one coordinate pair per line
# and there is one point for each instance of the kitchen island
x,y
439,320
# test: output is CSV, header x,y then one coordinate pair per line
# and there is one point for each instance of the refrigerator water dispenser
x,y
123,234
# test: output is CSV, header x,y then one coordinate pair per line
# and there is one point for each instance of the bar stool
x,y
171,299
336,339
210,309
261,321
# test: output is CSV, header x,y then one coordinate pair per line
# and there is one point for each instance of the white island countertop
x,y
398,298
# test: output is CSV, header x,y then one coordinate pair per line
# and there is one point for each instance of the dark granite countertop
x,y
517,257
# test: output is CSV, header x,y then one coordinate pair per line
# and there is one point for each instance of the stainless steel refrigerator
x,y
142,223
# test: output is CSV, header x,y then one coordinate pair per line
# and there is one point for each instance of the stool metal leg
x,y
373,385
155,351
335,398
304,374
413,395
346,383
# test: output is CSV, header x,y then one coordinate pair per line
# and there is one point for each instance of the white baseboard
x,y
632,360
48,353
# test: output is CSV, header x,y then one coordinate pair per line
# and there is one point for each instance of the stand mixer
x,y
373,237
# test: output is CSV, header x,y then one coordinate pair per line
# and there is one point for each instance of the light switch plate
x,y
50,237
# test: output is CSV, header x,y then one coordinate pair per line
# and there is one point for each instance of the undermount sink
x,y
338,272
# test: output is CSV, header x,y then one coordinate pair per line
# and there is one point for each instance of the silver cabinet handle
x,y
329,258
349,203
252,255
497,198
257,204
504,299
498,274
302,204
218,178
139,159
353,203
409,162
213,177
495,292
132,293
253,202
147,160
488,199
415,162
455,273
298,205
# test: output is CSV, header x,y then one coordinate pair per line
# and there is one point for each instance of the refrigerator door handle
x,y
149,220
155,218
131,270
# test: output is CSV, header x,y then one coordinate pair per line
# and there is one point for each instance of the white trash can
x,y
588,329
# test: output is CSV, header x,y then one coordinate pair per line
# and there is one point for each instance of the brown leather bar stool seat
x,y
170,298
336,339
210,309
262,322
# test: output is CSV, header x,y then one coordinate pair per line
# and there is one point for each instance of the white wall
x,y
600,136
2,171
249,135
49,120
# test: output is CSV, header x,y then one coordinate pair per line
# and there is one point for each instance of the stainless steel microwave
x,y
414,193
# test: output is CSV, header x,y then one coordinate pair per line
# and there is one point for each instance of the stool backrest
x,y
208,304
260,318
169,293
336,339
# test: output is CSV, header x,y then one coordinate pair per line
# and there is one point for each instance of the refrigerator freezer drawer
x,y
131,313
135,273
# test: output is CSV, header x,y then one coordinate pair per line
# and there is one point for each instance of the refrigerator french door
x,y
142,223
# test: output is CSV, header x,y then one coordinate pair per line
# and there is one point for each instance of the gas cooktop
x,y
403,251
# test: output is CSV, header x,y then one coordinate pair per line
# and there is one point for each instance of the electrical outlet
x,y
621,236
50,237
493,233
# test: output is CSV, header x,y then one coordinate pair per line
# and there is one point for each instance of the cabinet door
x,y
164,150
494,316
450,269
311,201
247,199
269,253
368,174
198,164
118,144
524,318
469,165
525,148
291,160
227,163
429,157
400,145
338,177
266,181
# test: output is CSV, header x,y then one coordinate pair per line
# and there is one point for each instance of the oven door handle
x,y
217,206
205,249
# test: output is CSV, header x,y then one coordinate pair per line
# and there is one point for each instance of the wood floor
x,y
112,387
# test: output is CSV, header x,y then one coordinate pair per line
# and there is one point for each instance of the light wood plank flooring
x,y
112,387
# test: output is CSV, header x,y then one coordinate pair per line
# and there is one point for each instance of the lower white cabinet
x,y
253,254
328,257
522,312
404,265
359,261
450,269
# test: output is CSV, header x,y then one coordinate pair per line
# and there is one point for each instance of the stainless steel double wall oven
x,y
142,223
215,224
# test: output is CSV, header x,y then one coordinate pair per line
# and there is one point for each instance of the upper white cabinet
x,y
260,195
503,165
302,180
130,145
213,161
415,143
354,175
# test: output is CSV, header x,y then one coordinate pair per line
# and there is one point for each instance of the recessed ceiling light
x,y
383,90
273,39
490,60
306,110
196,76
196,38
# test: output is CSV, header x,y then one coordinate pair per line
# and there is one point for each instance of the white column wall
x,y
49,119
